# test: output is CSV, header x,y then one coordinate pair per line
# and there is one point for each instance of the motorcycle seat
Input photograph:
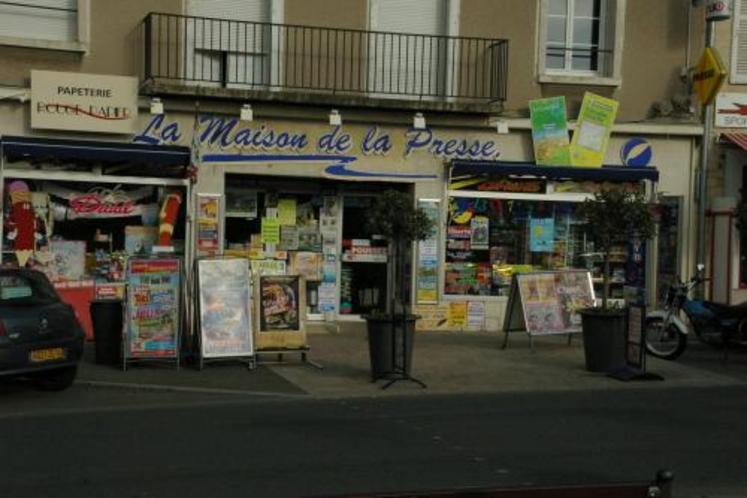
x,y
727,310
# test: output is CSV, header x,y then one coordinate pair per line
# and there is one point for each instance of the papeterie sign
x,y
83,102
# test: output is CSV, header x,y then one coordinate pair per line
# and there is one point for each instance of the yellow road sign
x,y
709,76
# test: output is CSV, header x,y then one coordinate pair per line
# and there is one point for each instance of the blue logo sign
x,y
636,153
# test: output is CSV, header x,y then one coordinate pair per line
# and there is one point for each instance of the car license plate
x,y
49,354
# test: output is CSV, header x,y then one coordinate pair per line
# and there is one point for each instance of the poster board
x,y
153,308
207,230
428,256
225,308
280,304
547,303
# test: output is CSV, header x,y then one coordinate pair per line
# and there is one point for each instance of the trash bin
x,y
106,315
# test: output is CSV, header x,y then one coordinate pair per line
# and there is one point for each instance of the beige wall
x,y
114,47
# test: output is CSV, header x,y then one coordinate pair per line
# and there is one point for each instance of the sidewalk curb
x,y
187,389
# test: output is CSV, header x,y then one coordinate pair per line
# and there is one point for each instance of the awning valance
x,y
738,139
34,149
518,168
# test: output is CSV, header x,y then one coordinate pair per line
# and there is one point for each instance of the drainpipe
x,y
703,176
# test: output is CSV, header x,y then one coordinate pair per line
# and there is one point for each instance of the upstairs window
x,y
51,24
581,40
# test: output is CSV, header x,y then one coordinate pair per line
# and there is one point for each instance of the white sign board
x,y
83,102
731,110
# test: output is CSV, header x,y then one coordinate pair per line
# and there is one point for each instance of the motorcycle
x,y
713,323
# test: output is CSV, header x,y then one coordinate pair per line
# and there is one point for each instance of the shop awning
x,y
517,168
139,156
738,139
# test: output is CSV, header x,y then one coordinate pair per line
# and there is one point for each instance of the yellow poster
x,y
457,315
432,317
287,211
593,129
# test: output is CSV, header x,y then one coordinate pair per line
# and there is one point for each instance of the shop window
x,y
490,239
668,214
581,41
50,24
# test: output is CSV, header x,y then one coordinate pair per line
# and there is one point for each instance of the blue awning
x,y
517,168
87,151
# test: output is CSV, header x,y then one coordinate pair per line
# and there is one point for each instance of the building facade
x,y
295,115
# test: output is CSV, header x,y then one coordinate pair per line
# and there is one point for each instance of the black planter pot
x,y
390,355
604,339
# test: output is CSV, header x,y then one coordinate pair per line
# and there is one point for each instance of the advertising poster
x,y
593,129
68,260
309,239
208,225
327,297
139,239
307,264
267,267
270,230
479,236
475,315
551,300
287,211
542,234
432,317
153,289
427,270
288,238
328,216
225,307
457,316
279,303
550,131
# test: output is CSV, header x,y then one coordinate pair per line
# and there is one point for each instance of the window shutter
x,y
425,17
739,43
28,22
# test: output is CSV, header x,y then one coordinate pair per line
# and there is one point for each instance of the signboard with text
x,y
731,110
83,102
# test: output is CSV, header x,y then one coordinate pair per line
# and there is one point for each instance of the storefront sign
x,y
83,102
709,75
489,184
593,129
731,110
102,203
228,140
152,308
550,131
427,270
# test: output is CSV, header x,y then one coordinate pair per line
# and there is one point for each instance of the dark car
x,y
40,336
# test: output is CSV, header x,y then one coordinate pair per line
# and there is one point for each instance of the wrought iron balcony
x,y
281,58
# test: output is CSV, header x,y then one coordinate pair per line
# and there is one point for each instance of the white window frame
x,y
615,15
734,77
80,45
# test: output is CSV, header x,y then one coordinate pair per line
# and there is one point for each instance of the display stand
x,y
280,355
153,323
550,300
635,352
224,303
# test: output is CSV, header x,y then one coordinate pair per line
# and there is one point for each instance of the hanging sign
x,y
718,10
550,131
593,129
83,102
709,75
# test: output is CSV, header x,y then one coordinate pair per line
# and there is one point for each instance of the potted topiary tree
x,y
390,331
612,218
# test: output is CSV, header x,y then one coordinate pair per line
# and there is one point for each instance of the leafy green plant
x,y
612,218
394,216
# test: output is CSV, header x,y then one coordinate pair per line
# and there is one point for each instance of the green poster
x,y
550,131
270,230
593,129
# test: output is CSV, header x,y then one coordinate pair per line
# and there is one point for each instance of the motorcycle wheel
x,y
666,343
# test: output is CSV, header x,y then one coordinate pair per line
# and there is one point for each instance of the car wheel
x,y
55,380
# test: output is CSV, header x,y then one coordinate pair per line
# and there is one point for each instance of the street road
x,y
110,443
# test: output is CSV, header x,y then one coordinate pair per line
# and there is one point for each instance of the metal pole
x,y
704,158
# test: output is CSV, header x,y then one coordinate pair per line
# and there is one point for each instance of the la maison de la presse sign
x,y
229,140
83,102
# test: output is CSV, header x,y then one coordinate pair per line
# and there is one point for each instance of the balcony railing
x,y
222,53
